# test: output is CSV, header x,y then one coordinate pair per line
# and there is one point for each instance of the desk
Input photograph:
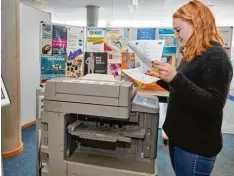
x,y
162,97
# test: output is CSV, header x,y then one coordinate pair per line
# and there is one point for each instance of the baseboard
x,y
13,152
28,124
21,147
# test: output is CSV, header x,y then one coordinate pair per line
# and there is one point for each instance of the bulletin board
x,y
113,41
62,49
67,50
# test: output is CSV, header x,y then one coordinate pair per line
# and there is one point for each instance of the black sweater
x,y
198,94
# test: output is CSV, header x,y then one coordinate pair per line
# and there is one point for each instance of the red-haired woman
x,y
198,91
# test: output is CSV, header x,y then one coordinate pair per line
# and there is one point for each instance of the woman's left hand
x,y
166,71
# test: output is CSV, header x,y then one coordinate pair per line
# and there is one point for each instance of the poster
x,y
75,48
74,67
52,66
46,39
169,50
167,34
59,39
128,61
46,30
115,41
95,62
95,40
75,41
114,69
46,46
226,33
146,34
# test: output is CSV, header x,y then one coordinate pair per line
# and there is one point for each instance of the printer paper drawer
x,y
81,169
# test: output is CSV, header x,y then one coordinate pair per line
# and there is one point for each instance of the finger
x,y
161,68
150,73
158,63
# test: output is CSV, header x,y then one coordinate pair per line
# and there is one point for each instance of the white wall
x,y
30,19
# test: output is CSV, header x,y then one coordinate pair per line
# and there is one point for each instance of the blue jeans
x,y
188,164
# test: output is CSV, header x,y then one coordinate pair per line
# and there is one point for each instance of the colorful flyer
x,y
95,40
74,67
46,47
115,41
95,62
75,40
146,34
59,39
114,69
75,48
128,61
52,66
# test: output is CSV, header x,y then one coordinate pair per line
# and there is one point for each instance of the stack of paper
x,y
146,51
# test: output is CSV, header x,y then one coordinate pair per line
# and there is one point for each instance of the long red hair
x,y
204,28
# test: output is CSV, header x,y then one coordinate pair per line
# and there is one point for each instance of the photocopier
x,y
97,126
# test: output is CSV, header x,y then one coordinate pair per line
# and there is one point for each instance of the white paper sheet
x,y
137,74
146,52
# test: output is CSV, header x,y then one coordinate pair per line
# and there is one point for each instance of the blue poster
x,y
167,34
53,66
169,50
166,31
146,34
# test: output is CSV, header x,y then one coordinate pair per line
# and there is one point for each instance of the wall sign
x,y
4,95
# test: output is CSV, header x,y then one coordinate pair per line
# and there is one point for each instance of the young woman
x,y
198,91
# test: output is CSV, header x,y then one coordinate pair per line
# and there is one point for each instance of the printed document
x,y
146,52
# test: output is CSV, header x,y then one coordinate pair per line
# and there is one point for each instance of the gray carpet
x,y
25,163
228,117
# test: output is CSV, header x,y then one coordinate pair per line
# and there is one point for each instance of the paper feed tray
x,y
106,135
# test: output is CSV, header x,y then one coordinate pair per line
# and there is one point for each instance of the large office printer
x,y
97,126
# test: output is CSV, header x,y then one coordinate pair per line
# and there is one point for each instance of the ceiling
x,y
121,9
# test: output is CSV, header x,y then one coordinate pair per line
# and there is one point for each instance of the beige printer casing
x,y
70,103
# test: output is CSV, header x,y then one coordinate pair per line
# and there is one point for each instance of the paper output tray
x,y
101,134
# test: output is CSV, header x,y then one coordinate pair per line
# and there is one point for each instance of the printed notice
x,y
146,52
